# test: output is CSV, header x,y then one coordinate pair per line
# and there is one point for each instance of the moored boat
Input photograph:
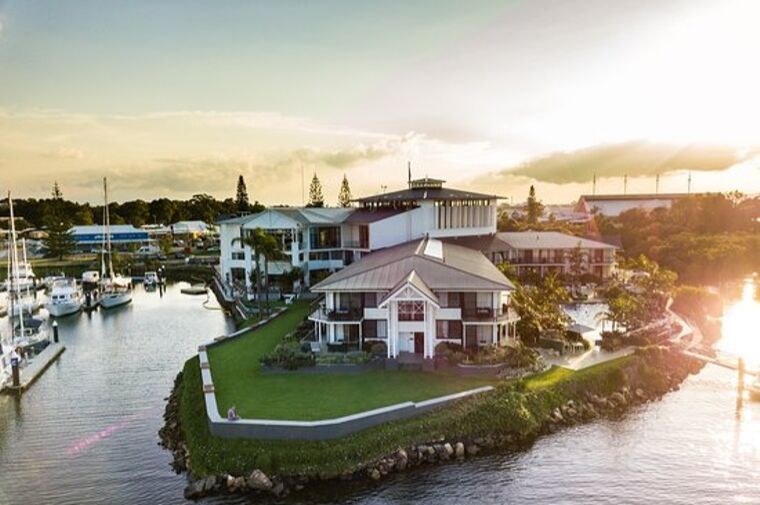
x,y
115,289
65,298
195,289
151,279
90,278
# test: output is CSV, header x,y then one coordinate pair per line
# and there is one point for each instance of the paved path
x,y
592,357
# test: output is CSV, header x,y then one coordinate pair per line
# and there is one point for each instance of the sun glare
x,y
740,327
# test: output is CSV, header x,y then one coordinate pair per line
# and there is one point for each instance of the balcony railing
x,y
487,314
355,244
323,314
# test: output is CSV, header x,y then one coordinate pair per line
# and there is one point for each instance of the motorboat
x,y
90,299
195,289
91,278
65,298
115,289
50,280
151,279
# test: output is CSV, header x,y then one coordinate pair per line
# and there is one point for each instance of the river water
x,y
86,431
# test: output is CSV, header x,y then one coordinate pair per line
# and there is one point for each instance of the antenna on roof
x,y
625,184
688,190
593,186
303,201
657,184
409,174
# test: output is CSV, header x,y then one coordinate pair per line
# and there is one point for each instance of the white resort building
x,y
414,296
321,241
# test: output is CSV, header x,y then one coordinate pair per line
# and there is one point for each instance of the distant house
x,y
614,205
191,229
413,296
88,237
545,252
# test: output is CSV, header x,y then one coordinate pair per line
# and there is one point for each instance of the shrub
x,y
379,349
288,355
339,358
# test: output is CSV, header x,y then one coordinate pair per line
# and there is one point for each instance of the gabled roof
x,y
301,215
456,269
417,283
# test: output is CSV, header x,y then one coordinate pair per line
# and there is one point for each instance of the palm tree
x,y
256,240
271,250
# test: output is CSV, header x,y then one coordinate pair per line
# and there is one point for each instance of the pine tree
x,y
533,207
315,193
241,198
344,196
59,241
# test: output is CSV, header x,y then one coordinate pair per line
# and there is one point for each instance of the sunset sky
x,y
178,98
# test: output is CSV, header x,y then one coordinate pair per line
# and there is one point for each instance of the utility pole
x,y
409,173
657,184
593,186
688,187
303,202
625,184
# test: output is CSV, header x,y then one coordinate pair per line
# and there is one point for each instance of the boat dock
x,y
36,367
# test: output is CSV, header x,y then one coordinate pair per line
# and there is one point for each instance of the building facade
x,y
412,297
546,252
321,241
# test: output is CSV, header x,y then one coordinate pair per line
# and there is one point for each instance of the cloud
x,y
635,158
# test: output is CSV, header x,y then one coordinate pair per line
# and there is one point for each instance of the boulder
x,y
448,450
618,398
459,450
640,394
472,449
194,490
259,481
374,474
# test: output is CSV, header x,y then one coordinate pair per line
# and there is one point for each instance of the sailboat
x,y
115,289
20,282
30,333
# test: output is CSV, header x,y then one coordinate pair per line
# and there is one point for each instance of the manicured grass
x,y
239,381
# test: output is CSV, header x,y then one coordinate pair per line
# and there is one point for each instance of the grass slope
x,y
516,407
238,381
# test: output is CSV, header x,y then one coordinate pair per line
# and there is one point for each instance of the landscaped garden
x,y
296,395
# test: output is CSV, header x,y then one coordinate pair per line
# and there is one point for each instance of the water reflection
x,y
741,327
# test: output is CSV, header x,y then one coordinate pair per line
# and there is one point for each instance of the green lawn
x,y
303,396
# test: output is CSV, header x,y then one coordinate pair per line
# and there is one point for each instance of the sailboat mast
x,y
17,289
108,229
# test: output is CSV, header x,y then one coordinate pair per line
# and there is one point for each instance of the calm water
x,y
86,432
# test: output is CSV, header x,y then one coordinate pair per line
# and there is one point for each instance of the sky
x,y
175,98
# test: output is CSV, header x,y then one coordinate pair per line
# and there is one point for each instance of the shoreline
x,y
516,416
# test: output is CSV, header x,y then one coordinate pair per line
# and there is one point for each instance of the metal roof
x,y
420,194
548,240
460,269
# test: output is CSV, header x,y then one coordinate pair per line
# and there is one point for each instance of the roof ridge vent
x,y
434,249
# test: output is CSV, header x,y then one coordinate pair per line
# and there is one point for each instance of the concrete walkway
x,y
593,356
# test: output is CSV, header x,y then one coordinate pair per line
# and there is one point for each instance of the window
x,y
372,328
448,330
370,300
238,255
411,311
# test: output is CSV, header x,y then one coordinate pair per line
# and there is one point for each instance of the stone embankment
x,y
582,407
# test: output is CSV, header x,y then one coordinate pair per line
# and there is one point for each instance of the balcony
x,y
338,315
355,244
488,314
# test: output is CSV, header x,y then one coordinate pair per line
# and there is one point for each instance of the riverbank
x,y
514,414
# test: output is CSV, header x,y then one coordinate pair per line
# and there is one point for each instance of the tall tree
x,y
533,207
316,199
241,197
344,195
59,241
271,250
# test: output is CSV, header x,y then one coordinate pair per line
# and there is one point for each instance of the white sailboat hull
x,y
110,300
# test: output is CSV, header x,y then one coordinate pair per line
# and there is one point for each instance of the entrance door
x,y
419,343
